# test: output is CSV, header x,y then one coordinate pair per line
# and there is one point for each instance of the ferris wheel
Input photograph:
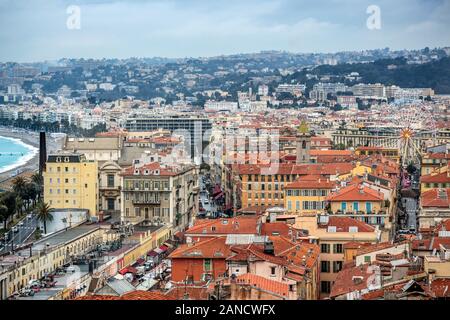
x,y
410,129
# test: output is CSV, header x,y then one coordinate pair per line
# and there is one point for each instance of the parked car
x,y
70,269
15,229
26,292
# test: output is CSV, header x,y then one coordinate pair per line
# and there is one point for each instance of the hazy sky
x,y
35,30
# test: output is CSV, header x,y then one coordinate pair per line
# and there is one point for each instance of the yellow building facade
x,y
307,196
71,182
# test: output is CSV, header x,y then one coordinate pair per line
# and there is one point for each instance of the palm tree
x,y
4,215
19,204
38,181
44,214
19,185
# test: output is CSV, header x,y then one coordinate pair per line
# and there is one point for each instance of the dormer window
x,y
136,171
146,172
66,159
58,159
156,172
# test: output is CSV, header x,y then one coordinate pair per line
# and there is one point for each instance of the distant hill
x,y
434,74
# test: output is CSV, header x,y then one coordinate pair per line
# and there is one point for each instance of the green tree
x,y
44,214
4,215
38,182
8,199
19,185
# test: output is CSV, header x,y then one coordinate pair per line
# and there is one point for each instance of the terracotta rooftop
x,y
350,279
214,248
300,169
356,193
277,287
343,224
153,168
435,198
134,295
378,247
224,226
442,177
311,182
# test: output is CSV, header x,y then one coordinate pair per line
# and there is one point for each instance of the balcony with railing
x,y
146,201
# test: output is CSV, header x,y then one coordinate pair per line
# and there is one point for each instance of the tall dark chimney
x,y
42,152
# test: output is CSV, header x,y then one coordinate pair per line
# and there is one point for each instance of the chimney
x,y
42,152
268,247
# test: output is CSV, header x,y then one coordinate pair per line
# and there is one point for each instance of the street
x,y
206,202
22,235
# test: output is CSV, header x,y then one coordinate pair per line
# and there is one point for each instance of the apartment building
x,y
307,194
157,193
331,234
71,182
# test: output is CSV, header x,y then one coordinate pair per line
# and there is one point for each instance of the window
x,y
289,205
337,248
325,266
344,206
110,181
66,180
66,169
355,206
207,265
337,266
272,271
325,286
367,259
368,207
325,248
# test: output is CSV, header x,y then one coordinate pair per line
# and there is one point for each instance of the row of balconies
x,y
381,212
148,202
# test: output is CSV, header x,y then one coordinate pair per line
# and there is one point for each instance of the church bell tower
x,y
303,144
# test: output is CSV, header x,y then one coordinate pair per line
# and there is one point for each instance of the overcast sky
x,y
36,30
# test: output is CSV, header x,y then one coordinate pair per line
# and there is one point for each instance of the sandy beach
x,y
31,138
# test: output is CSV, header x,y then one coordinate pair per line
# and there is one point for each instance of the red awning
x,y
128,270
216,190
218,196
152,254
163,248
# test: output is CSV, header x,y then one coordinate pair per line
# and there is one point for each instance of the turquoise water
x,y
14,153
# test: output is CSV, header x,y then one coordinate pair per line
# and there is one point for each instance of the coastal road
x,y
22,235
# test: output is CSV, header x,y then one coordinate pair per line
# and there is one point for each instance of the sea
x,y
14,153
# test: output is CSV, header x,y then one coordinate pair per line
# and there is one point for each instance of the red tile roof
x,y
343,224
214,248
442,177
356,193
346,280
291,169
433,198
191,292
378,247
440,288
134,295
151,167
330,152
224,226
311,182
275,228
276,287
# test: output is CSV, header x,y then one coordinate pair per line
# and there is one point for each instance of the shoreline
x,y
30,140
